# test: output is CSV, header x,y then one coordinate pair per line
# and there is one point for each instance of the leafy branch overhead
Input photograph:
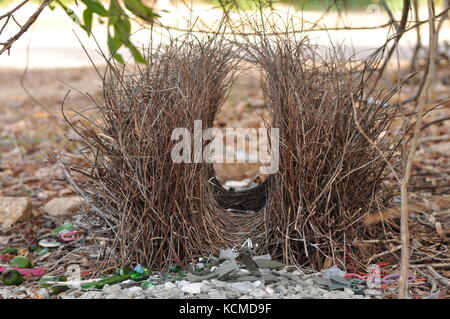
x,y
117,16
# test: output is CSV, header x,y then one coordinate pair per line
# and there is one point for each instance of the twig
x,y
423,98
439,265
438,277
7,45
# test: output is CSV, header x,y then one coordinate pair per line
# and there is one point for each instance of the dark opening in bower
x,y
244,201
239,186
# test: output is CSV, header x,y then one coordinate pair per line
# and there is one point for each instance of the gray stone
x,y
194,288
217,294
333,271
270,290
269,264
43,293
62,206
92,295
14,209
228,254
205,287
135,291
308,282
343,295
170,285
372,292
182,283
227,268
258,293
232,294
298,288
349,292
242,287
160,294
107,289
281,290
219,283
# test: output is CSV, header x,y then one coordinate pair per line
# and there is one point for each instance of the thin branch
x,y
7,45
423,99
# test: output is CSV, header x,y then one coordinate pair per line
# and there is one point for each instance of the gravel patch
x,y
287,286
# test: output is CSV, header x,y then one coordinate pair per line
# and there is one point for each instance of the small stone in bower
x,y
327,295
62,206
242,287
194,288
169,285
298,288
271,264
14,209
372,292
217,294
349,292
245,297
43,293
228,254
219,283
232,294
343,295
135,290
92,295
182,283
258,293
206,287
270,290
108,289
160,294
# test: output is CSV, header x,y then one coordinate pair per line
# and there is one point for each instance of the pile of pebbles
x,y
232,275
303,287
207,289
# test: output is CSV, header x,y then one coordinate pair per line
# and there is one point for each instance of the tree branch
x,y
10,15
422,101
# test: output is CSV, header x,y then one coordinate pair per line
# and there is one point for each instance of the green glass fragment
x,y
20,262
12,251
12,278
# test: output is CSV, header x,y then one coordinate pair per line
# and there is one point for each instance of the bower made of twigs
x,y
332,156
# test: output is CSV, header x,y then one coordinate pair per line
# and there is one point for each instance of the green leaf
x,y
115,12
122,29
113,45
137,55
96,7
87,18
141,10
70,13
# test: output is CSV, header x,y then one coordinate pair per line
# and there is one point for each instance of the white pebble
x,y
194,288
